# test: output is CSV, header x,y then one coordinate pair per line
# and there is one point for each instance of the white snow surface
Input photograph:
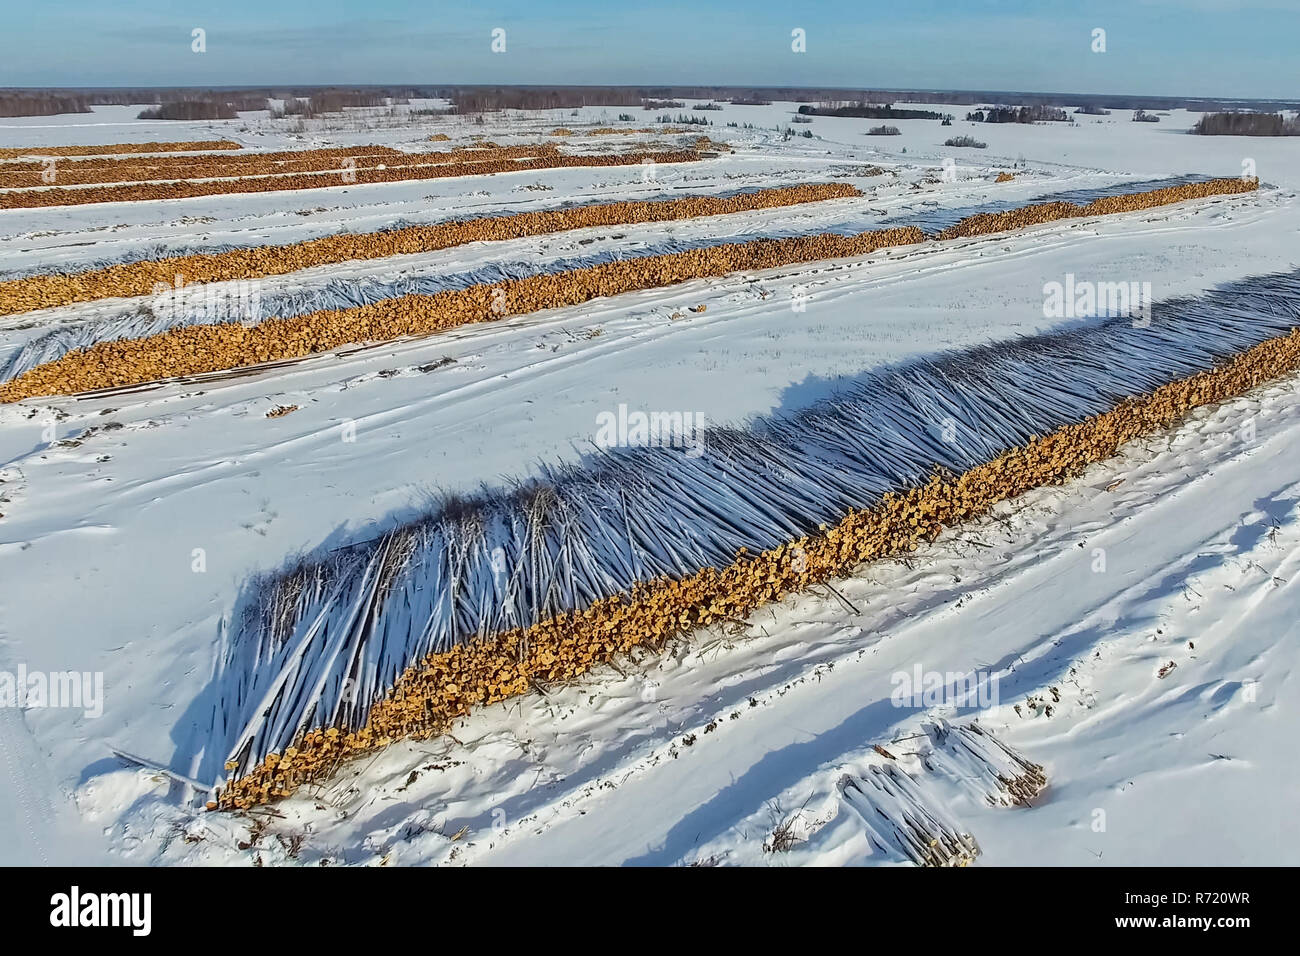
x,y
109,503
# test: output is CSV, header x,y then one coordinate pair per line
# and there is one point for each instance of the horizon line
x,y
220,87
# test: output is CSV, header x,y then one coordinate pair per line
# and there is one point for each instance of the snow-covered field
x,y
130,522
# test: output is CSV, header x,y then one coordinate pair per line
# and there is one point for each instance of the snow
x,y
98,538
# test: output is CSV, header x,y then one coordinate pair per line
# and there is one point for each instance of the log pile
x,y
117,148
985,223
103,171
479,165
443,687
138,278
199,349
196,349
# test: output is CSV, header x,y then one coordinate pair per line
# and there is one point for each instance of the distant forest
x,y
215,106
1246,124
865,111
41,104
479,99
1018,114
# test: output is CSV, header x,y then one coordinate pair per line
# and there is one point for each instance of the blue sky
x,y
1174,47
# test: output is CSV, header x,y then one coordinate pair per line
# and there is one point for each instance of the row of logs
x,y
17,152
144,192
989,222
101,171
434,692
198,349
139,278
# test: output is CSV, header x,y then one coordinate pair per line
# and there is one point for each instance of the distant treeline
x,y
865,111
41,104
137,97
230,105
1018,114
960,97
1246,124
189,110
207,108
330,101
529,98
470,98
1091,110
684,119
